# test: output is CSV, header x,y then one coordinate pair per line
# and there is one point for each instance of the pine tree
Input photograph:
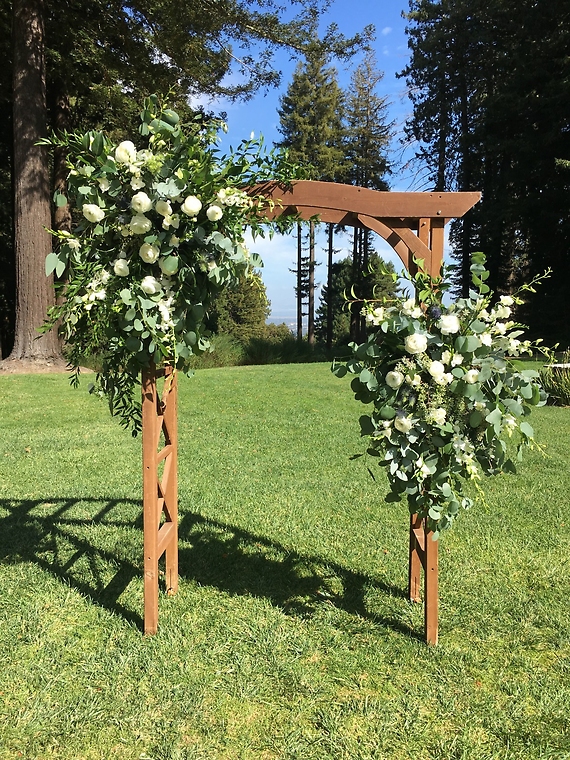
x,y
311,125
367,138
490,84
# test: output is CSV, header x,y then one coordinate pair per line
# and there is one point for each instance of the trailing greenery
x,y
291,635
158,234
446,393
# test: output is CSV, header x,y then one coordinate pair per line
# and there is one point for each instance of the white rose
x,y
149,253
408,306
125,153
163,208
436,369
403,424
449,324
471,376
74,244
92,212
457,360
141,203
140,225
150,285
446,357
174,241
416,343
121,267
438,415
137,183
394,379
214,213
191,205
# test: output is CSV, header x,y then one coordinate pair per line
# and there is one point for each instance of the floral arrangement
x,y
445,391
158,233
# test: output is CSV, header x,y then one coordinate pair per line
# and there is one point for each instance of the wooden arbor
x,y
413,224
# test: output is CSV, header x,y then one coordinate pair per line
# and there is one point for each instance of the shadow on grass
x,y
88,543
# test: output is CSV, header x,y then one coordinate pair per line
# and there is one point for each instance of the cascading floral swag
x,y
158,233
446,392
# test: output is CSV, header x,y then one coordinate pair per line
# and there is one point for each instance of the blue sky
x,y
260,116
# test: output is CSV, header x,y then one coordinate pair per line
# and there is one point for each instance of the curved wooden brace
x,y
391,236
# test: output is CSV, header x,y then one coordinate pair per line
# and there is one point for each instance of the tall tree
x,y
490,83
32,215
102,56
368,134
311,124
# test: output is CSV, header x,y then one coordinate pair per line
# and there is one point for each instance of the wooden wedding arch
x,y
413,224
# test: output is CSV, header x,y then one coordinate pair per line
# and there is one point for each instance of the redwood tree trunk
x,y
32,208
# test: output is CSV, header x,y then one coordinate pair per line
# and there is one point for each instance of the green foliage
x,y
555,379
241,311
158,234
377,283
446,394
490,87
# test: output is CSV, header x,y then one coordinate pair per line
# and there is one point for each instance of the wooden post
x,y
424,554
160,495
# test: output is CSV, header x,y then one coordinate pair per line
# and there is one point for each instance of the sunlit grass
x,y
291,636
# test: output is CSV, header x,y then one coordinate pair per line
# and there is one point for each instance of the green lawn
x,y
291,636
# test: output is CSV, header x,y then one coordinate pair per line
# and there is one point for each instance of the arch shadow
x,y
88,553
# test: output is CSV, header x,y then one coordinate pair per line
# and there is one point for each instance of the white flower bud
x,y
125,153
121,267
150,285
149,253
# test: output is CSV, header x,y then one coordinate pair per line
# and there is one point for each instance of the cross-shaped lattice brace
x,y
160,490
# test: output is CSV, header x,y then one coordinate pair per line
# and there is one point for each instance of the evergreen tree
x,y
311,125
490,83
242,311
367,138
375,284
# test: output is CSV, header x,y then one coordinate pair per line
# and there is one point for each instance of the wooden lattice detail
x,y
424,554
160,492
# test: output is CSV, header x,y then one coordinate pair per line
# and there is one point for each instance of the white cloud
x,y
386,30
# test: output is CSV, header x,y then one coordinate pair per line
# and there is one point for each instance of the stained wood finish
x,y
322,197
413,224
160,494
